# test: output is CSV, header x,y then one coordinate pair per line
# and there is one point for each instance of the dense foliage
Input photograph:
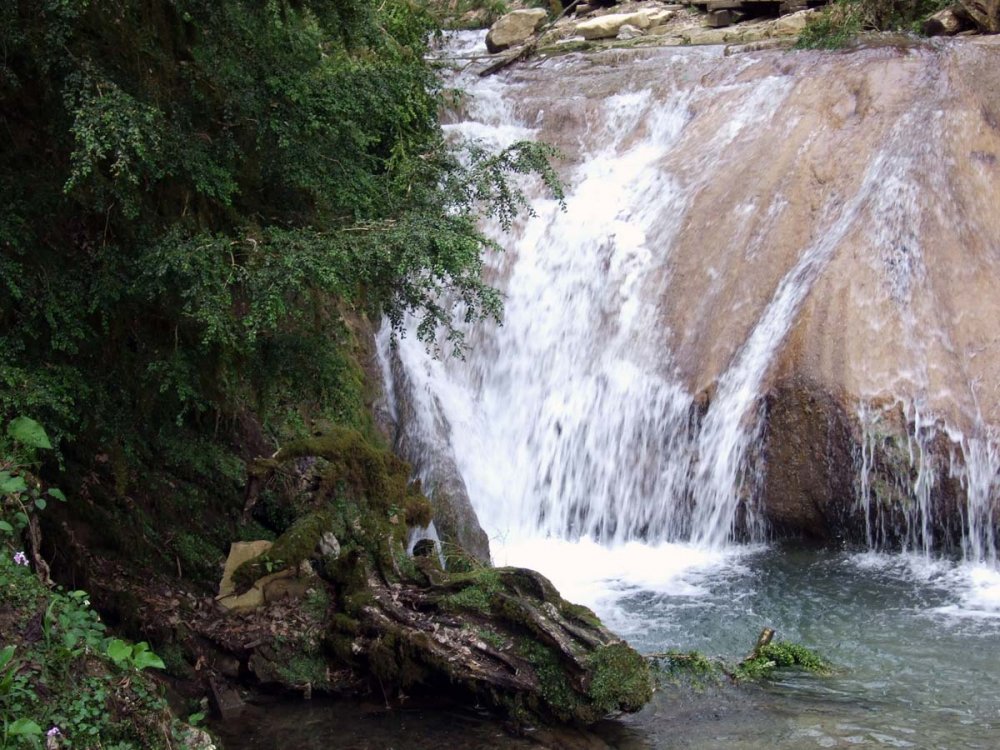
x,y
197,196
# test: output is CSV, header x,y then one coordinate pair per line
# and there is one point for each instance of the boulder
x,y
792,24
607,27
947,22
660,16
514,28
239,553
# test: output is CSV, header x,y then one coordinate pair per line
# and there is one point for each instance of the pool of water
x,y
916,645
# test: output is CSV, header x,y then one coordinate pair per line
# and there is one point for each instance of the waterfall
x,y
710,202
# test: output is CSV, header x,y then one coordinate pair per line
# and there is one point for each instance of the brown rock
x,y
514,28
946,22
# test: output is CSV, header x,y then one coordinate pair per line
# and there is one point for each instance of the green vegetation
x,y
780,655
202,204
696,669
70,678
839,23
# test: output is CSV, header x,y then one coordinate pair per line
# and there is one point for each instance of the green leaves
x,y
24,728
138,656
10,485
119,651
29,433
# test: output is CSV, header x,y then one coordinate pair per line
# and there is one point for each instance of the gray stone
x,y
329,546
628,31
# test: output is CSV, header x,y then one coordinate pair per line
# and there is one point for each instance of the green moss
x,y
834,27
356,468
290,549
492,638
691,668
479,588
198,557
563,702
781,655
578,612
621,680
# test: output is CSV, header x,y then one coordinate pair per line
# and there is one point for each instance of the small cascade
x,y
905,459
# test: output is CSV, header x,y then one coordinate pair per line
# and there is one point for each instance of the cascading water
x,y
622,399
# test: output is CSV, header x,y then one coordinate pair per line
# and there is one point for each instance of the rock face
x,y
514,28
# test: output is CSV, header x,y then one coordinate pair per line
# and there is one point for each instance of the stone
x,y
709,36
718,19
985,14
226,700
264,589
793,24
608,26
284,587
194,738
628,31
514,28
239,553
329,546
583,10
944,23
660,16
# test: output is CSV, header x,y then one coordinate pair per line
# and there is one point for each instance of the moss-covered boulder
x,y
500,636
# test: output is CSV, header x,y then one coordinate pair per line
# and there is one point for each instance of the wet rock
x,y
514,28
425,548
808,484
454,517
504,636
